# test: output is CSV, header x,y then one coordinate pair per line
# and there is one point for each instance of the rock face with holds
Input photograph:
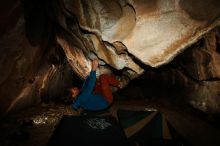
x,y
46,40
153,32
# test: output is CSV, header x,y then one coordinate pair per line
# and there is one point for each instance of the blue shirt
x,y
86,99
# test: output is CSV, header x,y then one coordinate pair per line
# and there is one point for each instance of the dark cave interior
x,y
47,47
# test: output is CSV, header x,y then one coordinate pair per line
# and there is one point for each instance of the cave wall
x,y
43,43
125,33
17,58
32,67
191,78
204,70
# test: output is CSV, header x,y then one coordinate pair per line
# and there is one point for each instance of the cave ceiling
x,y
118,32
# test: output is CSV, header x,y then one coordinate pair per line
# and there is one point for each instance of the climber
x,y
94,95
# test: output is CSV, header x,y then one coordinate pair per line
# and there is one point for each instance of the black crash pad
x,y
88,131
